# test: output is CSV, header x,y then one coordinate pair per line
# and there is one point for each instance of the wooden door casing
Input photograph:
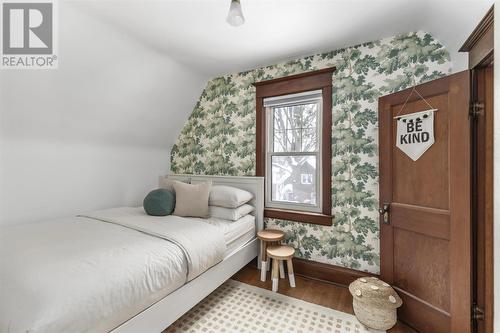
x,y
484,199
426,249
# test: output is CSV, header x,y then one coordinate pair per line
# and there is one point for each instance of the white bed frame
x,y
163,313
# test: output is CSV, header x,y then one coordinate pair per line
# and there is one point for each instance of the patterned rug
x,y
239,307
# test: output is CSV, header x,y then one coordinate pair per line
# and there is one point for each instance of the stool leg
x,y
275,274
263,257
282,269
291,277
269,259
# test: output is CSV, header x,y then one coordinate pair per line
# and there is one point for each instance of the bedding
x,y
233,229
228,196
232,214
92,273
203,245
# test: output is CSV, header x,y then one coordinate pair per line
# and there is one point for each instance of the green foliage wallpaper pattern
x,y
219,137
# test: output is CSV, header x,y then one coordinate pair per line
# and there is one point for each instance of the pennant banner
x,y
415,133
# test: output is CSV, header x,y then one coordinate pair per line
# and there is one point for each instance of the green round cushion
x,y
160,202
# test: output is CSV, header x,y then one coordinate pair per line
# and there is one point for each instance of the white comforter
x,y
90,274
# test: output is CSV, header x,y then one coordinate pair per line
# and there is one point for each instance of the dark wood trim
x,y
483,198
315,80
297,76
299,216
480,46
315,270
325,272
480,43
485,23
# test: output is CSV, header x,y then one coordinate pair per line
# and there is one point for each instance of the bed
x,y
119,269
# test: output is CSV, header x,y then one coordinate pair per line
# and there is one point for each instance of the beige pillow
x,y
192,199
167,183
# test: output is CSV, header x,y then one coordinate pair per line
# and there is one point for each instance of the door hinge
x,y
476,109
477,312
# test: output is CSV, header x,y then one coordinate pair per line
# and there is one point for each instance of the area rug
x,y
238,307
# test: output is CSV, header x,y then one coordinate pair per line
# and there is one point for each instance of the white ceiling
x,y
195,33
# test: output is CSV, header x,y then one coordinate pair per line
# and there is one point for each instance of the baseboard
x,y
325,272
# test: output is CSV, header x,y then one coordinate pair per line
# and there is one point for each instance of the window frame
x,y
315,80
318,208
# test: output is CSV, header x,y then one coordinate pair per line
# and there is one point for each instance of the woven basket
x,y
375,303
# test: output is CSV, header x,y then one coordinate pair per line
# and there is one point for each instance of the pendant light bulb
x,y
235,14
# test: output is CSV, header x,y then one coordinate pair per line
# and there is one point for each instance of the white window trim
x,y
302,98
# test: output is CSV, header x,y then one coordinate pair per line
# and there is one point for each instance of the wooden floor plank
x,y
309,290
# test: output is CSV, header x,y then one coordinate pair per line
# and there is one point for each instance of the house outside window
x,y
306,178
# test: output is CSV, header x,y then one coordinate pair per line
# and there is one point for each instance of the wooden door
x,y
426,243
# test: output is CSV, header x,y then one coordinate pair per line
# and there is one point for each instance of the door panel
x,y
409,274
426,247
418,183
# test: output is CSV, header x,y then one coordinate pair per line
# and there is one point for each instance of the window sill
x,y
306,217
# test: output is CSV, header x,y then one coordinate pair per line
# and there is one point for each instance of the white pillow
x,y
228,196
231,214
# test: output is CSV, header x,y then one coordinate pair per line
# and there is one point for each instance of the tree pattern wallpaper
x,y
219,137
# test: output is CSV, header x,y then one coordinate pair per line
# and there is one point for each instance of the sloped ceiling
x,y
195,32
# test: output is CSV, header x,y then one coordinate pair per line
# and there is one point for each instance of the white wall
x,y
94,133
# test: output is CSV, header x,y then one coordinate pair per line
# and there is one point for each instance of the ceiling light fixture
x,y
235,14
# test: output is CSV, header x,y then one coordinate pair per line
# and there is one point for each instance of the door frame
x,y
482,189
480,48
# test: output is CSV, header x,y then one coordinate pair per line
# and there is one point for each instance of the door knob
x,y
384,211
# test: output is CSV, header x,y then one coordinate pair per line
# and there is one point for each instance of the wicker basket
x,y
375,303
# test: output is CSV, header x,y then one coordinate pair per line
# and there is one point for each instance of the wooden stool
x,y
279,254
268,237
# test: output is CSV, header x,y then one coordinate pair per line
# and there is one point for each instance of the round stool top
x,y
280,252
271,235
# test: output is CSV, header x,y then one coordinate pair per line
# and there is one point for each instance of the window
x,y
293,151
306,178
293,139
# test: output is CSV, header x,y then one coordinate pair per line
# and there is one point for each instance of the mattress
x,y
85,275
236,233
233,230
52,281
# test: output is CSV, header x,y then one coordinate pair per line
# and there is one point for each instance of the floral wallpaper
x,y
219,137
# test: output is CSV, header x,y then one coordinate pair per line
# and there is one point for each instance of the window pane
x,y
279,141
294,179
295,128
309,115
309,139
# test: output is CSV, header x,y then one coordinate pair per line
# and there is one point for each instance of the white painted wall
x,y
96,132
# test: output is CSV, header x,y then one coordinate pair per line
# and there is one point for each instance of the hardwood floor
x,y
309,290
